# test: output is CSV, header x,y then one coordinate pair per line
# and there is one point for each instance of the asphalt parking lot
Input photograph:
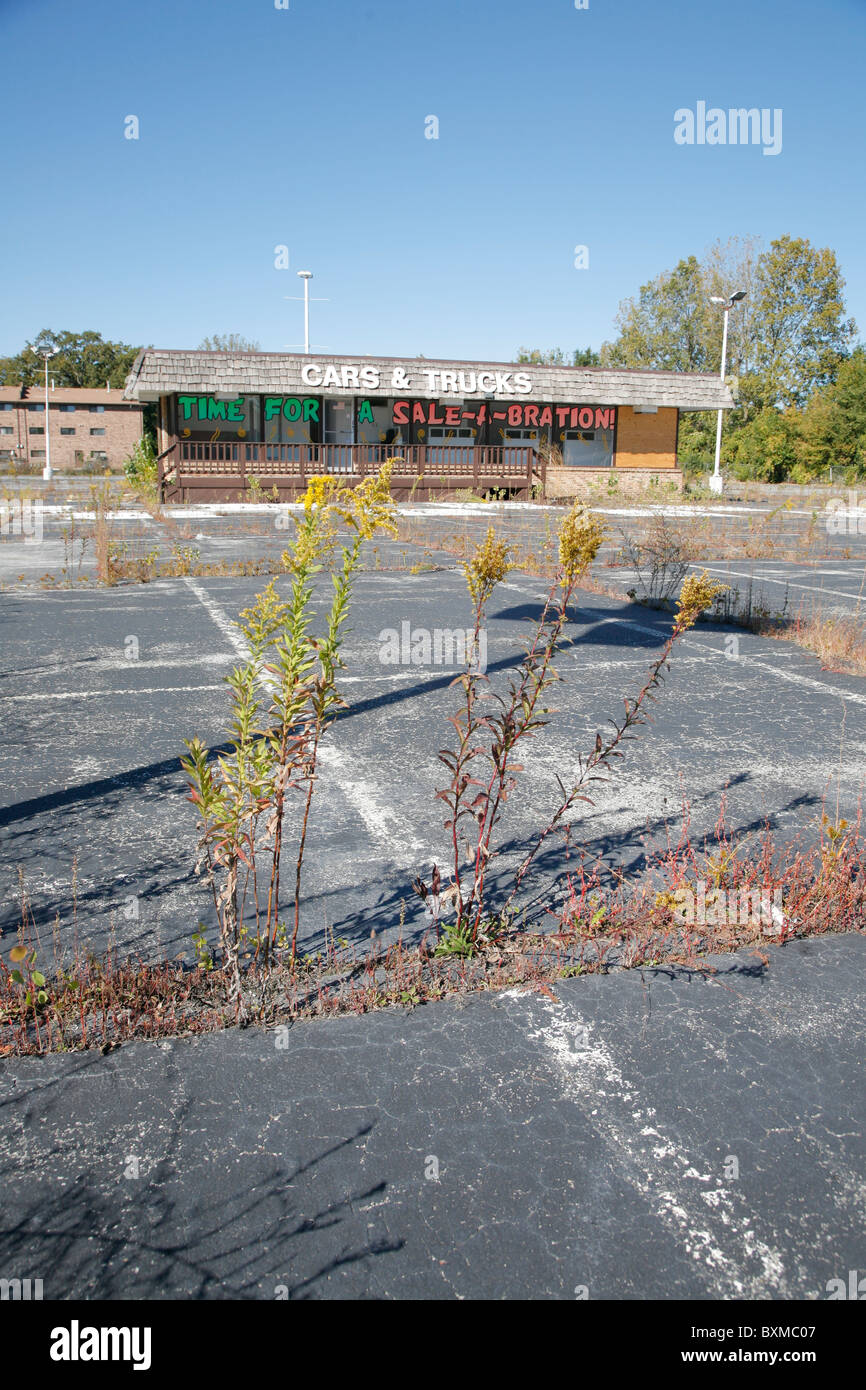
x,y
645,1135
582,1140
92,788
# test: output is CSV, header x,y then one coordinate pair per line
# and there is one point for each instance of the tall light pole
x,y
716,484
306,276
46,472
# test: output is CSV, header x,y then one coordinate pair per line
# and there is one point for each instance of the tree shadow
x,y
189,1228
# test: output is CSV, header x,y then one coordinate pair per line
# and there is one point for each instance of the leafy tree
x,y
556,357
801,334
766,447
80,359
833,431
542,357
228,342
667,326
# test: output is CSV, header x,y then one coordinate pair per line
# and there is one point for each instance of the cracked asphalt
x,y
94,817
646,1135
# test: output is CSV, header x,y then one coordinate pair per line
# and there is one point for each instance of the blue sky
x,y
305,127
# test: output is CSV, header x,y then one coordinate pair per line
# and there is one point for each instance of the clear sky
x,y
305,127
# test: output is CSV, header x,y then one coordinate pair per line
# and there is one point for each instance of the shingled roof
x,y
161,371
67,395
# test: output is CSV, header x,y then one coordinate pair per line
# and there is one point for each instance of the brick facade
x,y
88,426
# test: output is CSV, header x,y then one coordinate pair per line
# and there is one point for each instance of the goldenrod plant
x,y
483,766
283,698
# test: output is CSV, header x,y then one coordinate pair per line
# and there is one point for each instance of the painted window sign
x,y
291,407
521,415
206,408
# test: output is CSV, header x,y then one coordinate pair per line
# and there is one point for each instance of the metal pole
x,y
716,480
307,316
46,472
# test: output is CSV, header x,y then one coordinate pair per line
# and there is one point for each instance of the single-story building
x,y
89,426
495,428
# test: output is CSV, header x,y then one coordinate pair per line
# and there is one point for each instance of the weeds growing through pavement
x,y
659,559
597,924
283,699
483,765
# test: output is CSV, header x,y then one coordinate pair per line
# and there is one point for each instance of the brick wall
x,y
565,483
646,441
77,434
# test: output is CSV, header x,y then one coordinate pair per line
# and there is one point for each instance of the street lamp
x,y
716,484
46,472
306,276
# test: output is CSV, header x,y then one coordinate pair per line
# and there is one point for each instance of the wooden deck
x,y
221,471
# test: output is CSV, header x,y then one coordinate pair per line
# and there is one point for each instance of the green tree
x,y
834,422
765,448
801,333
557,357
542,357
228,342
80,359
586,357
668,325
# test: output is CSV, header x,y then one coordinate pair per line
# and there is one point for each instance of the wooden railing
x,y
188,465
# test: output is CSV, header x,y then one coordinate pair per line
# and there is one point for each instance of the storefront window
x,y
376,423
218,417
451,444
292,419
587,448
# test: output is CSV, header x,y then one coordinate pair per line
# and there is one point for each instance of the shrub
x,y
141,468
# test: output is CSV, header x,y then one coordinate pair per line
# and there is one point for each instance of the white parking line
x,y
712,1223
825,689
127,690
789,583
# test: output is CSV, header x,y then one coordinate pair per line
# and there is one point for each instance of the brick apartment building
x,y
88,427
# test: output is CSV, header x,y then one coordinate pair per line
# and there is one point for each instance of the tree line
x,y
797,376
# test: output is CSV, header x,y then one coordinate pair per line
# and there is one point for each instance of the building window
x,y
97,431
100,455
5,405
36,407
587,448
67,409
380,429
6,429
67,429
96,409
37,429
37,453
